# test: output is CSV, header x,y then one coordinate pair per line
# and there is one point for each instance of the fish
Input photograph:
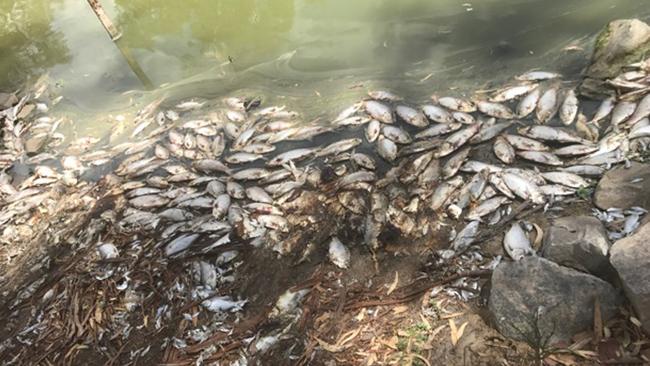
x,y
148,201
242,157
363,161
386,149
569,108
454,163
180,244
437,114
339,147
575,150
538,76
217,304
373,130
464,118
512,92
485,208
384,95
503,150
523,188
516,243
495,110
547,105
291,155
455,104
622,111
487,133
542,157
585,170
438,130
604,109
457,140
528,103
250,174
551,134
465,237
566,178
257,194
396,134
642,111
557,190
411,116
444,191
379,111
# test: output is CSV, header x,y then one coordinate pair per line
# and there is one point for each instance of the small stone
x,y
631,259
579,242
624,188
535,299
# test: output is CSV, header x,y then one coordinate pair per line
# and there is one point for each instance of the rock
x,y
579,242
631,259
616,187
621,43
563,298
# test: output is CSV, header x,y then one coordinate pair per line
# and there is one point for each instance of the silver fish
x,y
457,139
488,132
565,178
516,243
604,109
386,148
503,150
454,163
437,114
557,190
339,147
292,155
551,134
397,134
542,157
496,110
465,237
622,111
525,143
575,150
523,188
444,192
455,104
642,111
528,103
569,108
538,76
547,105
373,130
339,253
485,208
512,92
411,116
379,111
250,174
242,157
257,194
438,130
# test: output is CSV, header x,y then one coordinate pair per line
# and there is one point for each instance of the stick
x,y
115,37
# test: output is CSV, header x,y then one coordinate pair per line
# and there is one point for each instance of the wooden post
x,y
115,37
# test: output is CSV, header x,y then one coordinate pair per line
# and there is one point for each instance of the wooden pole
x,y
115,37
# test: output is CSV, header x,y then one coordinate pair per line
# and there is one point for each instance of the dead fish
x,y
250,174
438,130
397,134
538,76
474,166
363,161
339,147
373,130
569,108
180,244
465,237
148,201
291,155
523,188
566,179
486,207
604,109
348,112
420,146
642,111
215,188
495,110
221,206
257,194
547,105
352,121
379,111
360,176
464,118
454,163
456,104
551,134
259,148
457,139
444,192
176,215
575,150
411,116
512,92
585,170
339,253
203,143
497,182
622,111
211,166
503,150
542,157
218,145
528,103
488,132
557,190
235,190
352,201
414,167
437,114
242,157
525,143
516,243
387,149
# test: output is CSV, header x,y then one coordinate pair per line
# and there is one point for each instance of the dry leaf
x,y
393,285
328,347
400,309
347,337
456,333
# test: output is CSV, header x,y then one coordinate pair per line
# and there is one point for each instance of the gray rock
x,y
579,242
620,43
631,259
616,187
540,302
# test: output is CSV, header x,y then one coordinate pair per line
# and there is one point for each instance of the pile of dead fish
x,y
245,173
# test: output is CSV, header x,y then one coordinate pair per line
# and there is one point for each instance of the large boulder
x,y
624,187
631,259
621,43
579,242
540,302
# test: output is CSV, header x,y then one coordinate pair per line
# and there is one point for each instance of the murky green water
x,y
294,48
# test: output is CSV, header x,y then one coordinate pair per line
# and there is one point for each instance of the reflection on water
x,y
297,47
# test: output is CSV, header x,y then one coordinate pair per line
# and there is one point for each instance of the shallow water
x,y
316,54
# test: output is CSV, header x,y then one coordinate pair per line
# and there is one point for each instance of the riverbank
x,y
229,230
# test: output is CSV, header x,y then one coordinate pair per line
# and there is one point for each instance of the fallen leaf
x,y
393,285
400,309
328,347
456,333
